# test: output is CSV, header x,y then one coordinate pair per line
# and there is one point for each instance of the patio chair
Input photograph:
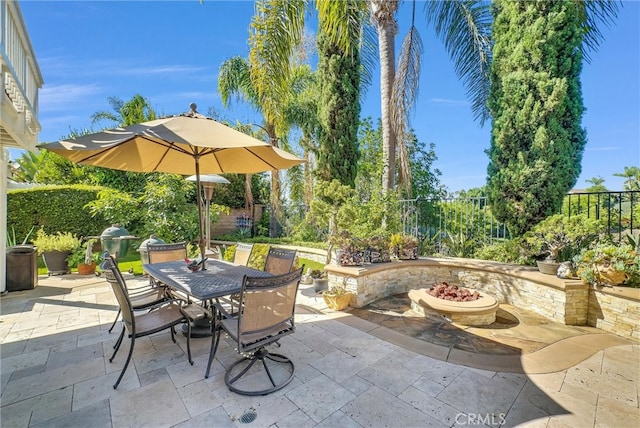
x,y
144,297
167,316
240,257
279,261
242,254
266,315
159,253
164,252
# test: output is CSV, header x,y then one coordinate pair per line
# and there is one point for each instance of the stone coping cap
x,y
518,271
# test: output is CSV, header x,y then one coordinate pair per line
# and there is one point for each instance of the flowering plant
x,y
244,222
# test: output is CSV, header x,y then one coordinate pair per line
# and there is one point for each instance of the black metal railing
x,y
456,226
619,210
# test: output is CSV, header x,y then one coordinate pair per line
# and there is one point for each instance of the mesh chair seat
x,y
279,261
242,254
266,314
159,253
144,300
145,297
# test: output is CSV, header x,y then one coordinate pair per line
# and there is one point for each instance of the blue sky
x,y
170,53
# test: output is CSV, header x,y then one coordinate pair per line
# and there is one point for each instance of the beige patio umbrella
x,y
186,144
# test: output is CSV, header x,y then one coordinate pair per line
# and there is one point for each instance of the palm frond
x,y
592,14
276,29
464,26
368,57
405,92
234,81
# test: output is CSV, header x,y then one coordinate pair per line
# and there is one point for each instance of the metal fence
x,y
456,226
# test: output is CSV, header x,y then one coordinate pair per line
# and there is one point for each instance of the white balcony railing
x,y
20,80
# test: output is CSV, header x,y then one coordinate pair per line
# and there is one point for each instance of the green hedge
x,y
56,208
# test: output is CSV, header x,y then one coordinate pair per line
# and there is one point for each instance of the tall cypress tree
x,y
339,111
535,100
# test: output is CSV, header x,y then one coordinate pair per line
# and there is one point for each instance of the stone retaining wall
x,y
616,310
568,301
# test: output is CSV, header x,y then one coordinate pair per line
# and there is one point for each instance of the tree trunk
x,y
275,188
387,28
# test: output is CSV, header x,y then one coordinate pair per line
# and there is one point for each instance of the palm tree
x,y
463,26
264,78
632,175
136,110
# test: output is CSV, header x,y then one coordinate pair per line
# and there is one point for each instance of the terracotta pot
x,y
85,269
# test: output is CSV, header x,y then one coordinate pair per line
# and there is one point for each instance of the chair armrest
x,y
223,312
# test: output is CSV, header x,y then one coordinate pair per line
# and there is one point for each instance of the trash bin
x,y
144,247
22,268
116,240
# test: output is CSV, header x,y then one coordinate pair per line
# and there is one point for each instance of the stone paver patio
x,y
350,372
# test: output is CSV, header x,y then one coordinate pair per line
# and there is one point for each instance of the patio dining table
x,y
220,279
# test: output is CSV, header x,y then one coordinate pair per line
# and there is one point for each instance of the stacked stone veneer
x,y
616,310
563,300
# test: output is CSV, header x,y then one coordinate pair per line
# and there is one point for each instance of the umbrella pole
x,y
200,228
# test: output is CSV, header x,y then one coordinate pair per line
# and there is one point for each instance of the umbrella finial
x,y
193,108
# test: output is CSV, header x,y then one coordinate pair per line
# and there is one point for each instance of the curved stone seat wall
x,y
568,301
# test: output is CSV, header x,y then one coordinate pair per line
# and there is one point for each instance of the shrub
x,y
56,208
505,251
55,242
560,238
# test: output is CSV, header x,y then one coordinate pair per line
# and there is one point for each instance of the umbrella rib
x,y
169,146
212,152
261,158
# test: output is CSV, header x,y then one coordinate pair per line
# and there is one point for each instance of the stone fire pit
x,y
479,312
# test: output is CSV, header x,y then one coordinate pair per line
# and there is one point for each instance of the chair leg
x,y
117,345
115,321
215,340
126,364
189,342
173,334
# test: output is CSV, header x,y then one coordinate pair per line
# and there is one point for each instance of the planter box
x,y
348,258
22,268
373,255
408,253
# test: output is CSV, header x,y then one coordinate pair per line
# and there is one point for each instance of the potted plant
x,y
558,239
54,249
84,258
349,249
404,247
609,264
377,251
337,298
320,280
